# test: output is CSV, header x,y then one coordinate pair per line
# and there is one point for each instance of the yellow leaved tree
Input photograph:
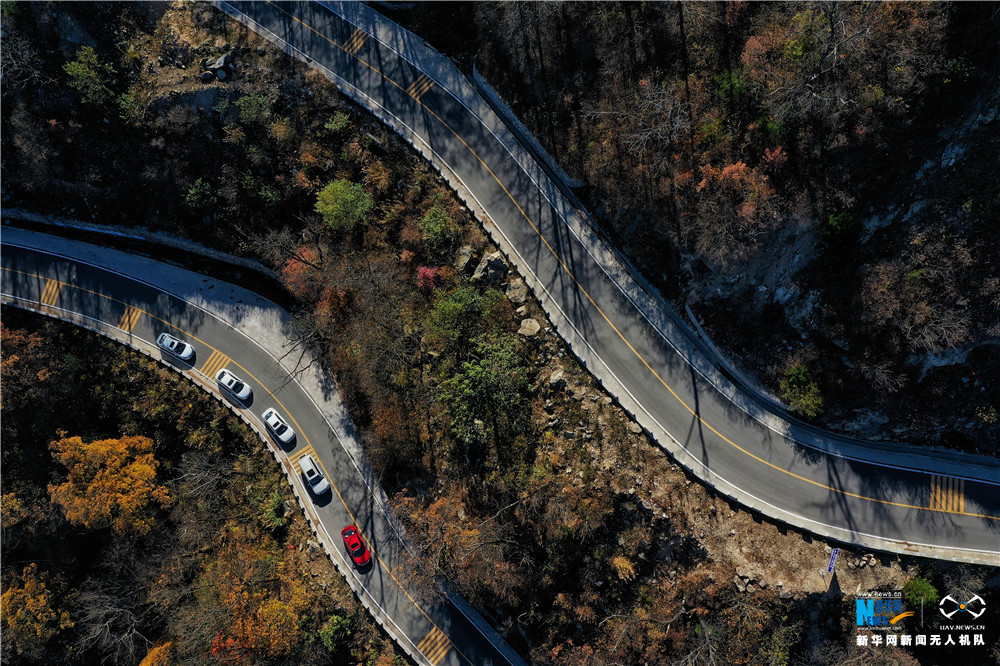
x,y
28,615
111,483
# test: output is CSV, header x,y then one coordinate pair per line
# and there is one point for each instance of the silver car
x,y
175,347
314,475
281,431
233,384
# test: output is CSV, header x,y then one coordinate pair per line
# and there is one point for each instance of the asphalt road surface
x,y
130,304
936,504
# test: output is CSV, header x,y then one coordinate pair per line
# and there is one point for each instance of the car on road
x,y
314,475
281,431
233,384
355,545
175,347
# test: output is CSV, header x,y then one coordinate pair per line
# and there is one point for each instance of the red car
x,y
355,546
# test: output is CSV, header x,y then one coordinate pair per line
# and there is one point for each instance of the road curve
x,y
233,328
894,498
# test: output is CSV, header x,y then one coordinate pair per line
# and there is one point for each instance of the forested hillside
x,y
143,522
817,181
521,482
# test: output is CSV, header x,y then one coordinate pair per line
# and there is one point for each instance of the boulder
x,y
557,380
207,77
740,585
223,60
635,428
463,260
221,74
529,328
492,269
517,292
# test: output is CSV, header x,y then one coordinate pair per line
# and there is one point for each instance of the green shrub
x,y
269,195
841,225
338,123
491,390
343,205
131,107
89,76
254,109
452,318
334,632
801,392
919,591
438,229
713,132
731,84
201,194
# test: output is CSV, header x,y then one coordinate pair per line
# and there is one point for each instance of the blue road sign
x,y
833,560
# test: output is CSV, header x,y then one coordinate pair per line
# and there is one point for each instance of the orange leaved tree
x,y
111,483
29,618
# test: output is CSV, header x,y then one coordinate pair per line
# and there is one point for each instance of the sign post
x,y
833,560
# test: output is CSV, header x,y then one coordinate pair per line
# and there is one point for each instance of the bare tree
x,y
19,61
109,620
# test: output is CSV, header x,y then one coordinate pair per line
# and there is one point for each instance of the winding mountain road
x,y
888,497
233,328
894,498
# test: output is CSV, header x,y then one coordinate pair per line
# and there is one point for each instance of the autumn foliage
x,y
29,616
111,483
262,613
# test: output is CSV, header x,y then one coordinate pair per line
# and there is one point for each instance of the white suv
x,y
313,474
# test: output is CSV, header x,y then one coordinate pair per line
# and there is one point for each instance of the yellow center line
x,y
608,320
333,485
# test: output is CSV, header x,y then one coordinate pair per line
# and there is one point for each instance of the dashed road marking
x,y
298,455
419,87
357,40
434,646
129,319
214,362
947,494
51,292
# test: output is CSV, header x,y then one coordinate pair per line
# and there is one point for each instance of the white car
x,y
233,384
313,474
172,345
282,432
